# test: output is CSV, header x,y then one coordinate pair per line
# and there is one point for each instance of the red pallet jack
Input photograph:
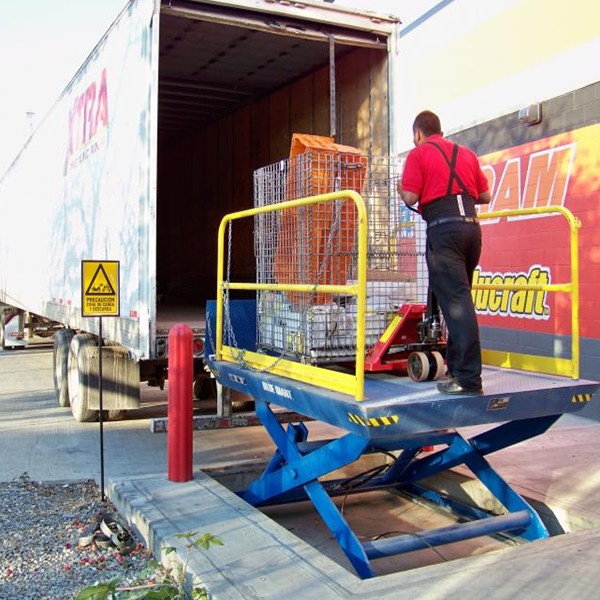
x,y
412,344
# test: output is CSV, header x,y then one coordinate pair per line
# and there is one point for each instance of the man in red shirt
x,y
446,181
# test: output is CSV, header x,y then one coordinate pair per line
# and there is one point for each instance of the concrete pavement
x,y
261,558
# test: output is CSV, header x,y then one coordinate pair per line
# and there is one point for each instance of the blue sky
x,y
42,44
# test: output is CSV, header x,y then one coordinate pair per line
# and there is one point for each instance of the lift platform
x,y
401,416
339,304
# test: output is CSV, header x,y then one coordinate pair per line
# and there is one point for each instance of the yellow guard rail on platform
x,y
327,378
527,362
353,384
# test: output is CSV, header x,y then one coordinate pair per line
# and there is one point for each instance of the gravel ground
x,y
42,527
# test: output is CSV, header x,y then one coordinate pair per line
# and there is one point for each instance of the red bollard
x,y
180,404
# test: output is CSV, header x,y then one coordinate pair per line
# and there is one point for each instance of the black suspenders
x,y
451,164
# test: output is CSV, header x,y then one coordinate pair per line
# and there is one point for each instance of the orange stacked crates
x,y
316,243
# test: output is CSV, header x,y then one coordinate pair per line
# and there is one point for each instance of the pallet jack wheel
x,y
437,362
417,366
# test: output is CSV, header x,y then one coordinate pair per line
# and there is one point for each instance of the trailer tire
x,y
60,362
113,415
79,378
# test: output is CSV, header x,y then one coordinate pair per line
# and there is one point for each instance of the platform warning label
x,y
100,288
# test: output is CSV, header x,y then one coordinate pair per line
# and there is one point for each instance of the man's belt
x,y
442,220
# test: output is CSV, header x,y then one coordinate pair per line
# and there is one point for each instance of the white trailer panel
x,y
85,182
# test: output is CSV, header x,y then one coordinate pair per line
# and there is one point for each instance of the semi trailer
x,y
154,139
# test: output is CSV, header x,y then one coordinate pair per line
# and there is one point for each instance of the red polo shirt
x,y
427,174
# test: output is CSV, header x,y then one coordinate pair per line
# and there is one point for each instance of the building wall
x,y
565,144
476,64
473,61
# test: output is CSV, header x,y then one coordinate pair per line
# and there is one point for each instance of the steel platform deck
x,y
397,405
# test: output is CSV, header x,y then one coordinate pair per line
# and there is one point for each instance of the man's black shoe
x,y
452,386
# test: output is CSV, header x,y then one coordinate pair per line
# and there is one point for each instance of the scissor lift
x,y
338,315
401,416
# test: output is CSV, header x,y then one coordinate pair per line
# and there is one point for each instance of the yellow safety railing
x,y
352,384
551,365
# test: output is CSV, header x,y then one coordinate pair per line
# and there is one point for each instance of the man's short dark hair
x,y
428,122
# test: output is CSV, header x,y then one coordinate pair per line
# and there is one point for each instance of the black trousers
x,y
453,251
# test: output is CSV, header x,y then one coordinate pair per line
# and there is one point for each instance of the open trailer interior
x,y
234,85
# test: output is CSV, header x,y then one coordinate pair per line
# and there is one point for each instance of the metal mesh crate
x,y
317,244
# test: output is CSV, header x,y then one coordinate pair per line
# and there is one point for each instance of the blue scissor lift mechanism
x,y
399,415
379,408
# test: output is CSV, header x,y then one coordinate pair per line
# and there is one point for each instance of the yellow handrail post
x,y
575,224
571,288
219,299
337,381
361,300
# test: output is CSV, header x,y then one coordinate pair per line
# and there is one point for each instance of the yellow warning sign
x,y
100,288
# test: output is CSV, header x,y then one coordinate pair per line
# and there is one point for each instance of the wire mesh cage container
x,y
316,244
